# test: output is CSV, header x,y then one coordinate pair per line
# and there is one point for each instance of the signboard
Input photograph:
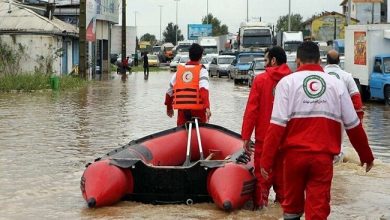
x,y
199,30
91,20
360,52
107,10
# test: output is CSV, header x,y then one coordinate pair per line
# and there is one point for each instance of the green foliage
x,y
170,34
218,29
38,81
10,58
149,38
296,23
45,63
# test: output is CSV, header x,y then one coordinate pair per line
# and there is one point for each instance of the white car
x,y
183,60
209,58
174,63
220,65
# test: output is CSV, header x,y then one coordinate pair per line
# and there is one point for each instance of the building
x,y
368,11
103,14
47,44
116,43
327,26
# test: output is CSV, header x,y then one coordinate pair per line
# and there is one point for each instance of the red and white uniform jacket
x,y
349,82
259,106
203,92
309,109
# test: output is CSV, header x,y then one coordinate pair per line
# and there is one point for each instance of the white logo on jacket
x,y
187,77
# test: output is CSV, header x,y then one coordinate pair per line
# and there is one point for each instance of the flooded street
x,y
46,138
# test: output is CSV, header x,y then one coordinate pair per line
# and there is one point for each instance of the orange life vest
x,y
186,90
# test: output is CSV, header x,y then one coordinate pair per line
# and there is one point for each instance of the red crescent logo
x,y
311,86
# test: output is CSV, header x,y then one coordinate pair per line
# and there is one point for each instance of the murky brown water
x,y
46,139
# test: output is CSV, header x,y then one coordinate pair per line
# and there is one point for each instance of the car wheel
x,y
387,94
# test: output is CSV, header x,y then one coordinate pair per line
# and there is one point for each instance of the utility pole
x,y
177,25
289,15
335,28
160,20
372,12
124,68
207,15
247,10
349,12
83,40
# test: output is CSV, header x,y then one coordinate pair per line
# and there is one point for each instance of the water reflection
x,y
46,139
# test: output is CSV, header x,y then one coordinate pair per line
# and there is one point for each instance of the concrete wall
x,y
36,47
363,12
322,28
41,49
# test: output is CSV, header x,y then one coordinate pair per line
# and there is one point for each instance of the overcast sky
x,y
230,12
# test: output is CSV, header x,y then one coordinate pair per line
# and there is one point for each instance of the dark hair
x,y
308,52
332,60
195,52
278,53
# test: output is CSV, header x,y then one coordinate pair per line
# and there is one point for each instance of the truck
x,y
213,45
289,40
166,52
182,47
254,37
367,58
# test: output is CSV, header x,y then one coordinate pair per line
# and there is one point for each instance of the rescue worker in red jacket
x,y
333,68
189,90
257,116
309,108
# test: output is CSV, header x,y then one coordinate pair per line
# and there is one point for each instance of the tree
x,y
170,34
296,23
218,29
149,38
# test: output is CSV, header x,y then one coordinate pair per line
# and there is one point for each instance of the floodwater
x,y
46,138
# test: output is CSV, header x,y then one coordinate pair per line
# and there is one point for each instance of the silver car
x,y
219,66
257,67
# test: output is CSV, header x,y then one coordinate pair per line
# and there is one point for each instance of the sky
x,y
229,12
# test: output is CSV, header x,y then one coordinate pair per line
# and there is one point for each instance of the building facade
x,y
368,11
45,45
327,26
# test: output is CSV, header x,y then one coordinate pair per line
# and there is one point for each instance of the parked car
x,y
219,66
183,60
209,58
119,60
113,58
241,69
118,63
153,60
174,63
257,67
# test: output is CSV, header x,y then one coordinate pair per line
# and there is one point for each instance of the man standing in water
x,y
257,116
146,65
309,108
333,68
189,90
